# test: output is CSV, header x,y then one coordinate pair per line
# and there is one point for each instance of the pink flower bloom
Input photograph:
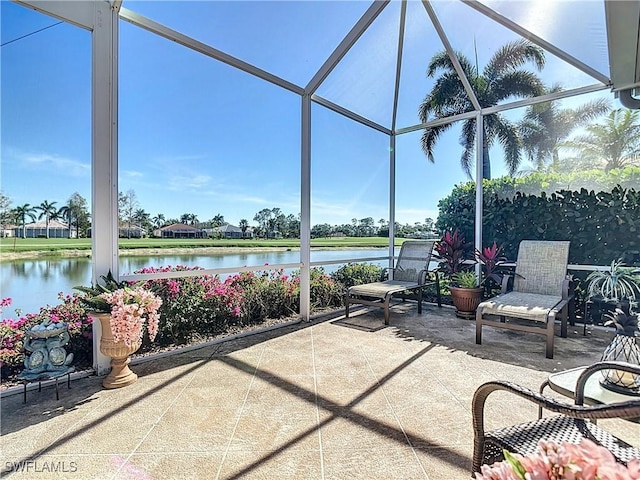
x,y
131,310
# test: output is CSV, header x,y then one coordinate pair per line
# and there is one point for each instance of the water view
x,y
34,283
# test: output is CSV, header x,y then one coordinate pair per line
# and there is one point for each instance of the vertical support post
x,y
104,157
392,200
479,159
305,211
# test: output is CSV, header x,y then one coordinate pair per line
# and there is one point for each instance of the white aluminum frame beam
x,y
507,106
533,38
349,114
305,210
193,44
78,13
479,188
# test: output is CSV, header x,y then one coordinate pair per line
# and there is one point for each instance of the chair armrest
x,y
385,273
567,292
628,409
596,367
505,283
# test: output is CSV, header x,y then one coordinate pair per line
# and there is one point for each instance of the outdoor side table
x,y
565,382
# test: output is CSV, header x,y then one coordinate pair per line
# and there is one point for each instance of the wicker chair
x,y
411,273
540,292
571,426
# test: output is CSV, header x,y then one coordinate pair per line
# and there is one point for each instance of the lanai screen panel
x,y
45,132
200,139
349,175
288,39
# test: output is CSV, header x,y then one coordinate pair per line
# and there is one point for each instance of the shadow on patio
x,y
325,399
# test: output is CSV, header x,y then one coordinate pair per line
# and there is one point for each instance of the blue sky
x,y
197,136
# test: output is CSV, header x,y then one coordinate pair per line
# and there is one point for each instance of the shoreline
x,y
148,252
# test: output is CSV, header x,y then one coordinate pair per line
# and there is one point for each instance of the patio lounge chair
x,y
540,292
411,273
574,423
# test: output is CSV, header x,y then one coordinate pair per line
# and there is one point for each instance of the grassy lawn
x,y
55,244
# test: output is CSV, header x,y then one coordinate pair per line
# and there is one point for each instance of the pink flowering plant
x,y
133,309
565,461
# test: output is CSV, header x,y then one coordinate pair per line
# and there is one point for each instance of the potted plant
x,y
465,291
125,312
608,287
623,348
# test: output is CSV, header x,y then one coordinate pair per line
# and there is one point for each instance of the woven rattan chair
x,y
574,423
540,292
411,273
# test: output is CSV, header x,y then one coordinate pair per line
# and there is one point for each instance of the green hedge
x,y
602,226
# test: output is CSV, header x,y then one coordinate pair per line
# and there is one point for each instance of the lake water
x,y
35,283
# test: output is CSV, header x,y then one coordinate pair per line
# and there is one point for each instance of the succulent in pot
x,y
466,279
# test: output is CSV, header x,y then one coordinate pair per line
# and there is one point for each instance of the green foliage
x,y
357,274
602,226
91,299
465,279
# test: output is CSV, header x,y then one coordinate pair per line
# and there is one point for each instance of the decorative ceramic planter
x,y
120,375
622,349
466,301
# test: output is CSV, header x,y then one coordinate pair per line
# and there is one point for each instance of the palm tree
x,y
545,126
65,212
159,220
21,213
615,144
244,225
501,79
48,211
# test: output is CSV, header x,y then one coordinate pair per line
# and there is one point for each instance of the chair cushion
x,y
530,306
381,289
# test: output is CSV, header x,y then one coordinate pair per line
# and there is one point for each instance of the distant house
x,y
7,231
229,231
179,230
133,231
39,230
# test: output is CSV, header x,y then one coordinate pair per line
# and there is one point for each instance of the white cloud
x,y
51,161
132,174
197,182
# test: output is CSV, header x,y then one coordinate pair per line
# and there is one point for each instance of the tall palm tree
x,y
614,144
500,79
545,126
65,212
21,213
49,211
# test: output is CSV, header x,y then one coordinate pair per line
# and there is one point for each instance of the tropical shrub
x,y
357,274
602,226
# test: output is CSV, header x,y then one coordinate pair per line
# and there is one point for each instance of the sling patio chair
x,y
540,292
569,422
411,273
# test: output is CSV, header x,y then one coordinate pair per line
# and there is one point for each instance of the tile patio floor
x,y
320,400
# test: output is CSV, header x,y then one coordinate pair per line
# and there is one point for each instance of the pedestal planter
x,y
466,301
120,375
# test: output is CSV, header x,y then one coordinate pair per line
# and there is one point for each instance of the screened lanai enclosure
x,y
329,111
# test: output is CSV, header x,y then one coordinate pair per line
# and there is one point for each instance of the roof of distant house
x,y
43,224
180,227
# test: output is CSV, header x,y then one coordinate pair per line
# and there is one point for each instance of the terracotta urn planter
x,y
120,375
466,301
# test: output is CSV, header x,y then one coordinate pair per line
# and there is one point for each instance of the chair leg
x,y
420,300
551,321
563,321
346,305
479,327
387,301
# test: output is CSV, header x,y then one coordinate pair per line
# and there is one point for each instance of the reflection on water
x,y
35,283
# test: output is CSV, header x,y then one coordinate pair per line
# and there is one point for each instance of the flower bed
x,y
193,309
